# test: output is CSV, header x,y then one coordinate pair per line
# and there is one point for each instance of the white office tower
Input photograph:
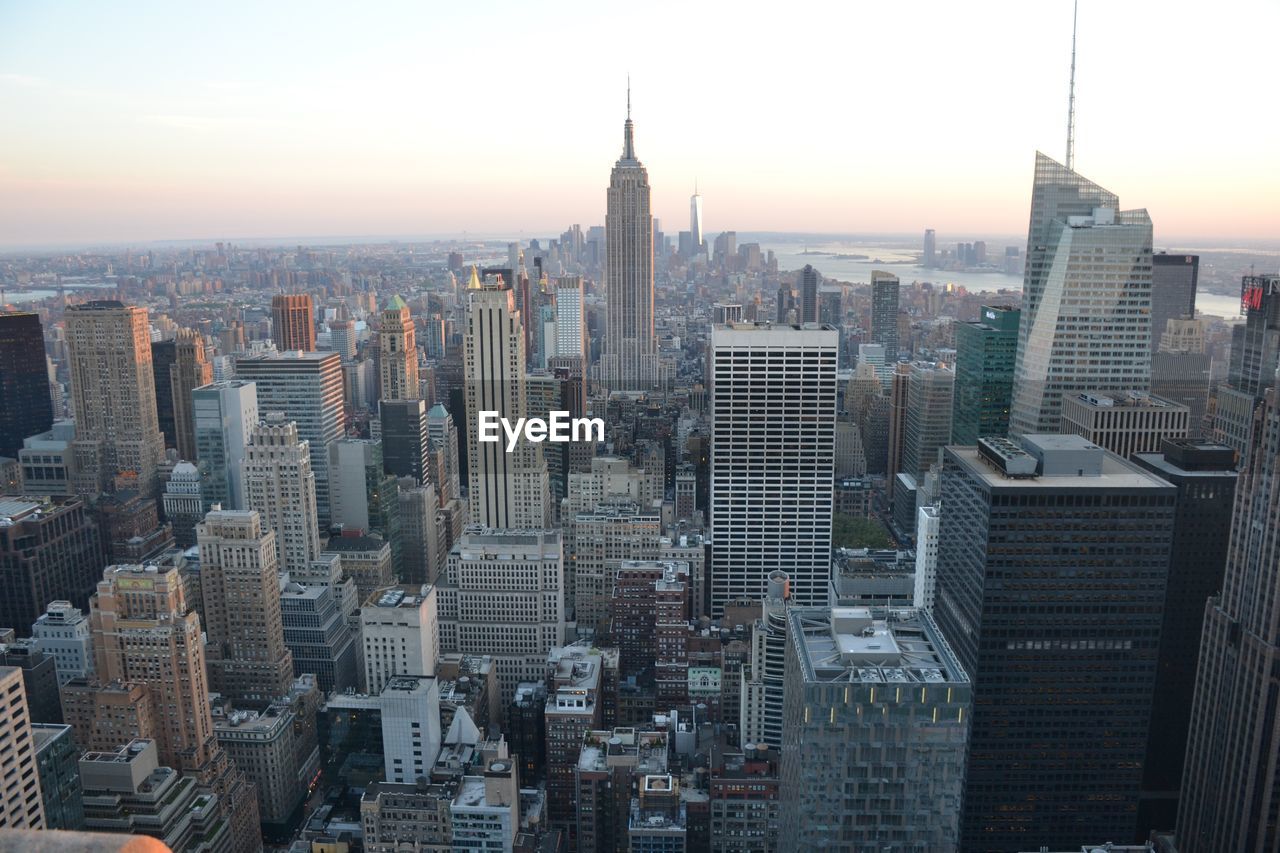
x,y
772,459
1086,299
280,486
571,326
503,595
400,634
507,490
62,632
926,557
630,359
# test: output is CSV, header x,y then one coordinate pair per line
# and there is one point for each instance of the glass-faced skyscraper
x,y
26,408
985,353
884,313
1052,564
1173,291
1086,298
630,359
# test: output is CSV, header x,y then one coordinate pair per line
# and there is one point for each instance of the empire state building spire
x,y
628,129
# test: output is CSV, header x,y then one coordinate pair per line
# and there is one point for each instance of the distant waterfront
x,y
835,261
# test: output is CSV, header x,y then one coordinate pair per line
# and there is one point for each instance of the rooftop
x,y
872,645
1050,462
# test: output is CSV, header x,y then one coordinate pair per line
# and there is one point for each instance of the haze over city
x,y
143,122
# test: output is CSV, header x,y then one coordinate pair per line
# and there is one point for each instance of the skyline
x,y
291,120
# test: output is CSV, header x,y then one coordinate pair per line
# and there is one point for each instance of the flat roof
x,y
1116,472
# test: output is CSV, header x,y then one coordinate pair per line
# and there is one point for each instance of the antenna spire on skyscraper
x,y
628,139
1071,94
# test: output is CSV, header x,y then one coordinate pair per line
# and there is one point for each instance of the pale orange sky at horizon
x,y
134,122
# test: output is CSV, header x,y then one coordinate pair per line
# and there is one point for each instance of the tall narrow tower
x,y
280,486
25,405
507,490
695,220
190,370
399,352
630,360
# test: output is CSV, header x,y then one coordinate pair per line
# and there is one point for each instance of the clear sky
x,y
138,121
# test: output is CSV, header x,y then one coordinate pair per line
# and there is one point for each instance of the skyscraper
x,y
772,459
144,633
1086,298
507,490
873,748
444,437
1205,477
986,350
163,355
292,326
630,359
247,658
307,388
117,433
1228,799
929,258
928,423
809,281
280,486
21,802
406,444
571,325
398,352
884,313
1061,707
1173,291
191,369
223,415
696,237
26,409
1255,350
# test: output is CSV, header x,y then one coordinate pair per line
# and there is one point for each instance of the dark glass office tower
x,y
164,354
1230,799
404,438
1205,477
25,405
986,350
809,281
884,313
1052,560
1173,291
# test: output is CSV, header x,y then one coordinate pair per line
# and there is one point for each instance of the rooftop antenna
x,y
629,94
1071,94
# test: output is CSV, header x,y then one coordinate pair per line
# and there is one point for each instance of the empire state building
x,y
630,359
